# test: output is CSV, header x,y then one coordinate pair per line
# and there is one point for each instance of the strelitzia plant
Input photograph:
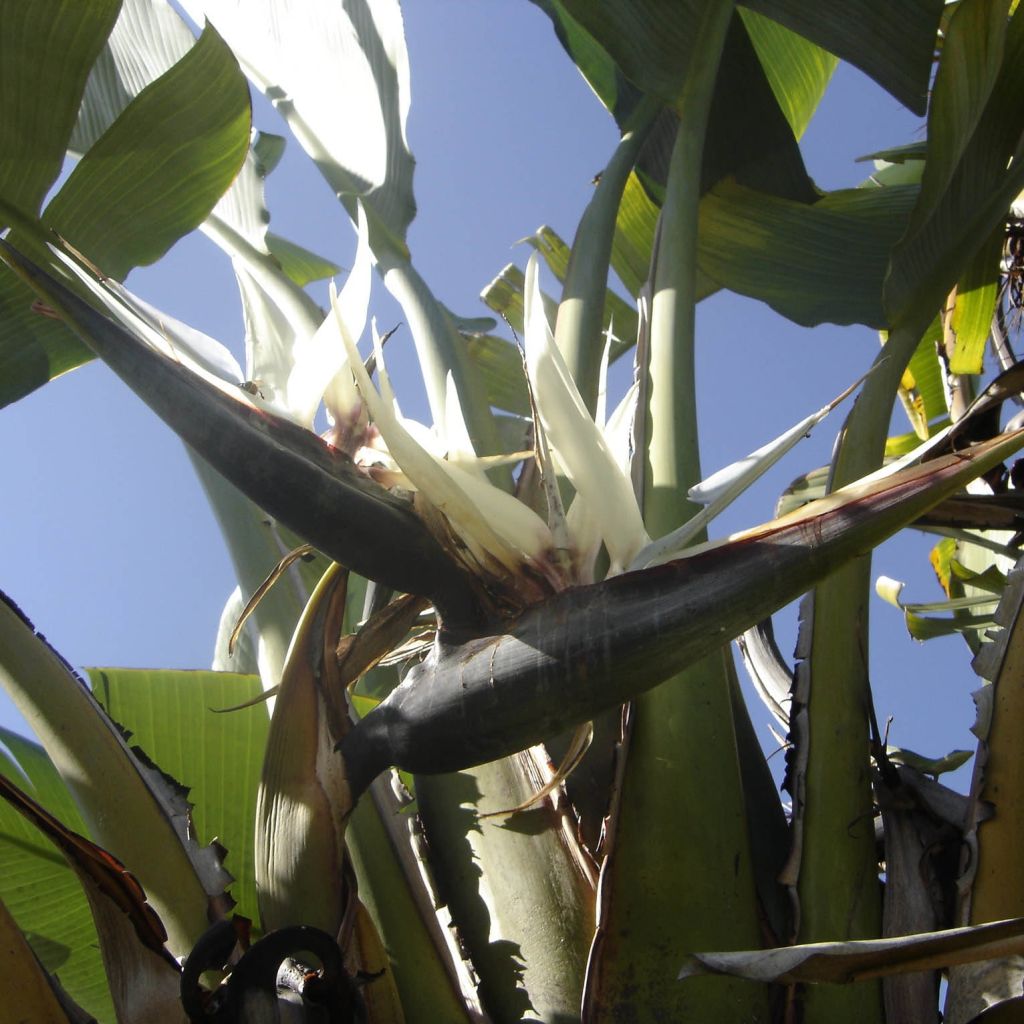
x,y
540,597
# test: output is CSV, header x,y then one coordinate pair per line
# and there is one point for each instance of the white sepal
x,y
489,520
319,367
576,439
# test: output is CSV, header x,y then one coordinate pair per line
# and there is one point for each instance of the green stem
x,y
840,897
673,459
682,765
579,326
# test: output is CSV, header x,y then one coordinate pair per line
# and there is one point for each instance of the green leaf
x,y
157,171
652,43
149,38
499,365
923,387
144,978
892,43
976,294
173,716
797,70
152,177
976,165
505,296
812,264
749,136
38,887
972,54
604,76
138,814
46,51
301,265
634,236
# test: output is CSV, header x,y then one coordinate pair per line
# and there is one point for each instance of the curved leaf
x,y
892,43
137,814
172,716
39,888
812,264
979,166
46,52
153,176
156,172
839,962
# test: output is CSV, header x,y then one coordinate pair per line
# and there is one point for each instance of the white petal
x,y
459,448
488,519
580,446
719,490
318,361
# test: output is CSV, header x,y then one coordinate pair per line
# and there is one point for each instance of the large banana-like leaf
x,y
894,45
216,755
307,56
46,53
749,137
182,139
143,976
39,889
137,814
974,168
823,262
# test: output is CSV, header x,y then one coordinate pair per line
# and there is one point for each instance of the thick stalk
x,y
578,329
839,892
695,886
518,890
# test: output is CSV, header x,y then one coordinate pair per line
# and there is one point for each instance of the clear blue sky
x,y
107,542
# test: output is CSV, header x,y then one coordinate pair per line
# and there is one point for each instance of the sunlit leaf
x,y
172,716
182,140
38,887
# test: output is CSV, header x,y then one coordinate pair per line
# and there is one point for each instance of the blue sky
x,y
107,542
